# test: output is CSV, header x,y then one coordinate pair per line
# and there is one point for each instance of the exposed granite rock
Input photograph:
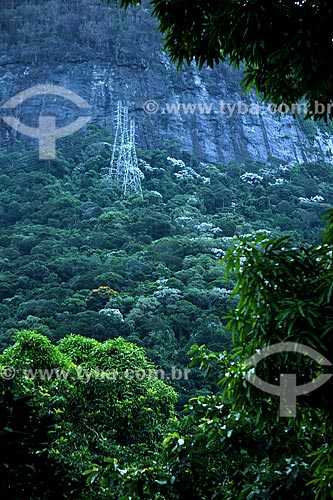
x,y
105,55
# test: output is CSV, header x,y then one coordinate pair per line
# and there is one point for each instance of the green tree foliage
x,y
26,470
102,398
286,47
75,238
235,444
149,270
153,253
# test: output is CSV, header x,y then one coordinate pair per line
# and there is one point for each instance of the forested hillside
x,y
133,322
78,258
123,274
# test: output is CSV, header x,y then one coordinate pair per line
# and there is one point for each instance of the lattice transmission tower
x,y
124,170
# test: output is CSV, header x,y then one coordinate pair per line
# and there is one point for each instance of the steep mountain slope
x,y
75,257
104,55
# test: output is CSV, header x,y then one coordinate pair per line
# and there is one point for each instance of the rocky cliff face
x,y
105,55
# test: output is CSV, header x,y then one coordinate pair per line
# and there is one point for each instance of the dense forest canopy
x,y
126,320
78,258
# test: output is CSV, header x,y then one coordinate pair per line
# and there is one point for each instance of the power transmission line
x,y
124,170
